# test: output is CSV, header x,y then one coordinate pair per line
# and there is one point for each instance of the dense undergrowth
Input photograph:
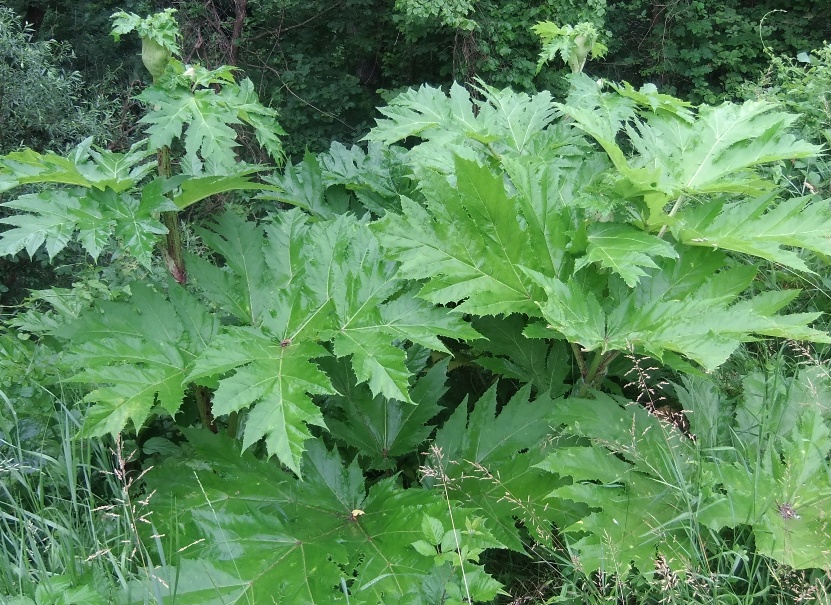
x,y
511,350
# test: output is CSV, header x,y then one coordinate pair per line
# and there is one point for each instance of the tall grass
x,y
68,523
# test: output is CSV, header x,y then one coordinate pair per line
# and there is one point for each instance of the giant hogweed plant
x,y
539,241
647,244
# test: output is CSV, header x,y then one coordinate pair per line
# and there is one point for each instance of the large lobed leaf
x,y
705,323
470,242
503,123
486,461
759,227
293,286
383,429
252,533
637,490
85,166
204,119
137,354
678,153
98,211
105,201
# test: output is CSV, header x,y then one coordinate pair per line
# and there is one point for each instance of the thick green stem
x,y
173,250
204,406
581,361
602,368
592,376
675,208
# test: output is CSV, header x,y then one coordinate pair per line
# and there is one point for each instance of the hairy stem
x,y
592,376
602,368
581,360
173,251
204,406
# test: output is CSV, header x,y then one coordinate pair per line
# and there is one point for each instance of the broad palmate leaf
x,y
254,534
382,429
471,240
544,364
137,353
680,154
705,323
85,166
204,118
54,217
486,461
759,227
293,286
105,201
502,123
779,484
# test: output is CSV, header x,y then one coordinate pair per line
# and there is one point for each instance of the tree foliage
x,y
43,102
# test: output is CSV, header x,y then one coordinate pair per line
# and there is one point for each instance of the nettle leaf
x,y
759,227
258,534
486,461
143,349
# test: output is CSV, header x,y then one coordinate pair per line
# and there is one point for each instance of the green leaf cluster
x,y
286,288
108,195
159,27
259,533
507,227
542,242
185,106
653,492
